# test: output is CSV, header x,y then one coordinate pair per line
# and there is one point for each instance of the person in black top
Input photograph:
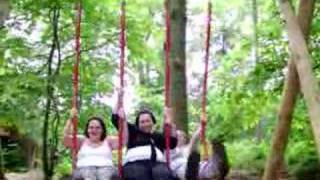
x,y
145,159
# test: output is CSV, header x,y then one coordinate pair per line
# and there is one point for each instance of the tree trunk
x,y
4,11
45,135
290,92
303,60
178,92
280,137
56,121
47,168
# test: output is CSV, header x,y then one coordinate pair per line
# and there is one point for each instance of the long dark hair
x,y
220,153
102,124
145,111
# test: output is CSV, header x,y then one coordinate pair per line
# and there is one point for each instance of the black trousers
x,y
147,170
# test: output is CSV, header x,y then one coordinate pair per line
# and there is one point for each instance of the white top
x,y
142,153
94,156
209,169
179,158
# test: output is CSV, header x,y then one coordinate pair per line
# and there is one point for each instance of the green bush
x,y
302,158
64,167
13,157
247,154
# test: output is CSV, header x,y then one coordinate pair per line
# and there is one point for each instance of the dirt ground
x,y
37,174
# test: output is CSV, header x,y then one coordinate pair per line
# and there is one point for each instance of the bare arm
x,y
124,123
68,133
113,142
118,117
193,141
168,121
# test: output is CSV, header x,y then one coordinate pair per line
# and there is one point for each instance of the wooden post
x,y
302,59
289,97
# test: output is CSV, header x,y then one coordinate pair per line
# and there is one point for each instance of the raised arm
x,y
118,111
173,135
193,141
117,117
68,135
68,132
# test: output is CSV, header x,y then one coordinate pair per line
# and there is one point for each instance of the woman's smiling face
x,y
146,123
95,130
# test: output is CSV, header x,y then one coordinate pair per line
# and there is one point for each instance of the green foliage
x,y
243,95
12,156
247,154
301,158
63,167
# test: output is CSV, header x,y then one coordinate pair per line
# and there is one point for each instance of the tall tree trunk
x,y
178,92
280,137
56,121
4,11
45,136
303,60
290,92
47,168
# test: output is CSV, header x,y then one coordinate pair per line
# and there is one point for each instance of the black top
x,y
140,138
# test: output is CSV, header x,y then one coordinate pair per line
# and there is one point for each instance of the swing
x,y
122,41
204,86
168,77
218,167
192,171
75,84
167,47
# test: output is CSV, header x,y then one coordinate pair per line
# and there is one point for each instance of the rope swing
x,y
122,42
204,86
167,47
75,84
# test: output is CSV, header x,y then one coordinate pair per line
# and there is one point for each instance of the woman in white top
x,y
179,155
94,158
182,157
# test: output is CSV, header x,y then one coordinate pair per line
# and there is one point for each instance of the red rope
x,y
204,92
122,41
167,78
167,54
75,83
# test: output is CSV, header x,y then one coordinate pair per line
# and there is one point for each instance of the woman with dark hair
x,y
94,158
186,164
179,155
145,159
